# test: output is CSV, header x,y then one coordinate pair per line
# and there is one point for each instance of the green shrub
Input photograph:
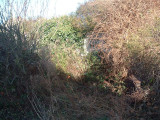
x,y
60,30
65,38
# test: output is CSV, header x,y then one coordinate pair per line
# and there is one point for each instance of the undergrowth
x,y
45,73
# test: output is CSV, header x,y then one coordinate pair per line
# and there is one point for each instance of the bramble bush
x,y
65,36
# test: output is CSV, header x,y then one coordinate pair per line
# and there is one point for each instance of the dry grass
x,y
56,98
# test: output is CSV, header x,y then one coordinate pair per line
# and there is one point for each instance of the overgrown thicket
x,y
19,60
120,21
45,73
17,54
129,32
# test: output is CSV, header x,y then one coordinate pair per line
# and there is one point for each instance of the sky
x,y
52,8
63,7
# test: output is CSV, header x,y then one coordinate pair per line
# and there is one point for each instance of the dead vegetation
x,y
128,29
129,33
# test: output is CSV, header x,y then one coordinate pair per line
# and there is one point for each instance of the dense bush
x,y
130,28
65,37
41,60
18,54
117,24
61,30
